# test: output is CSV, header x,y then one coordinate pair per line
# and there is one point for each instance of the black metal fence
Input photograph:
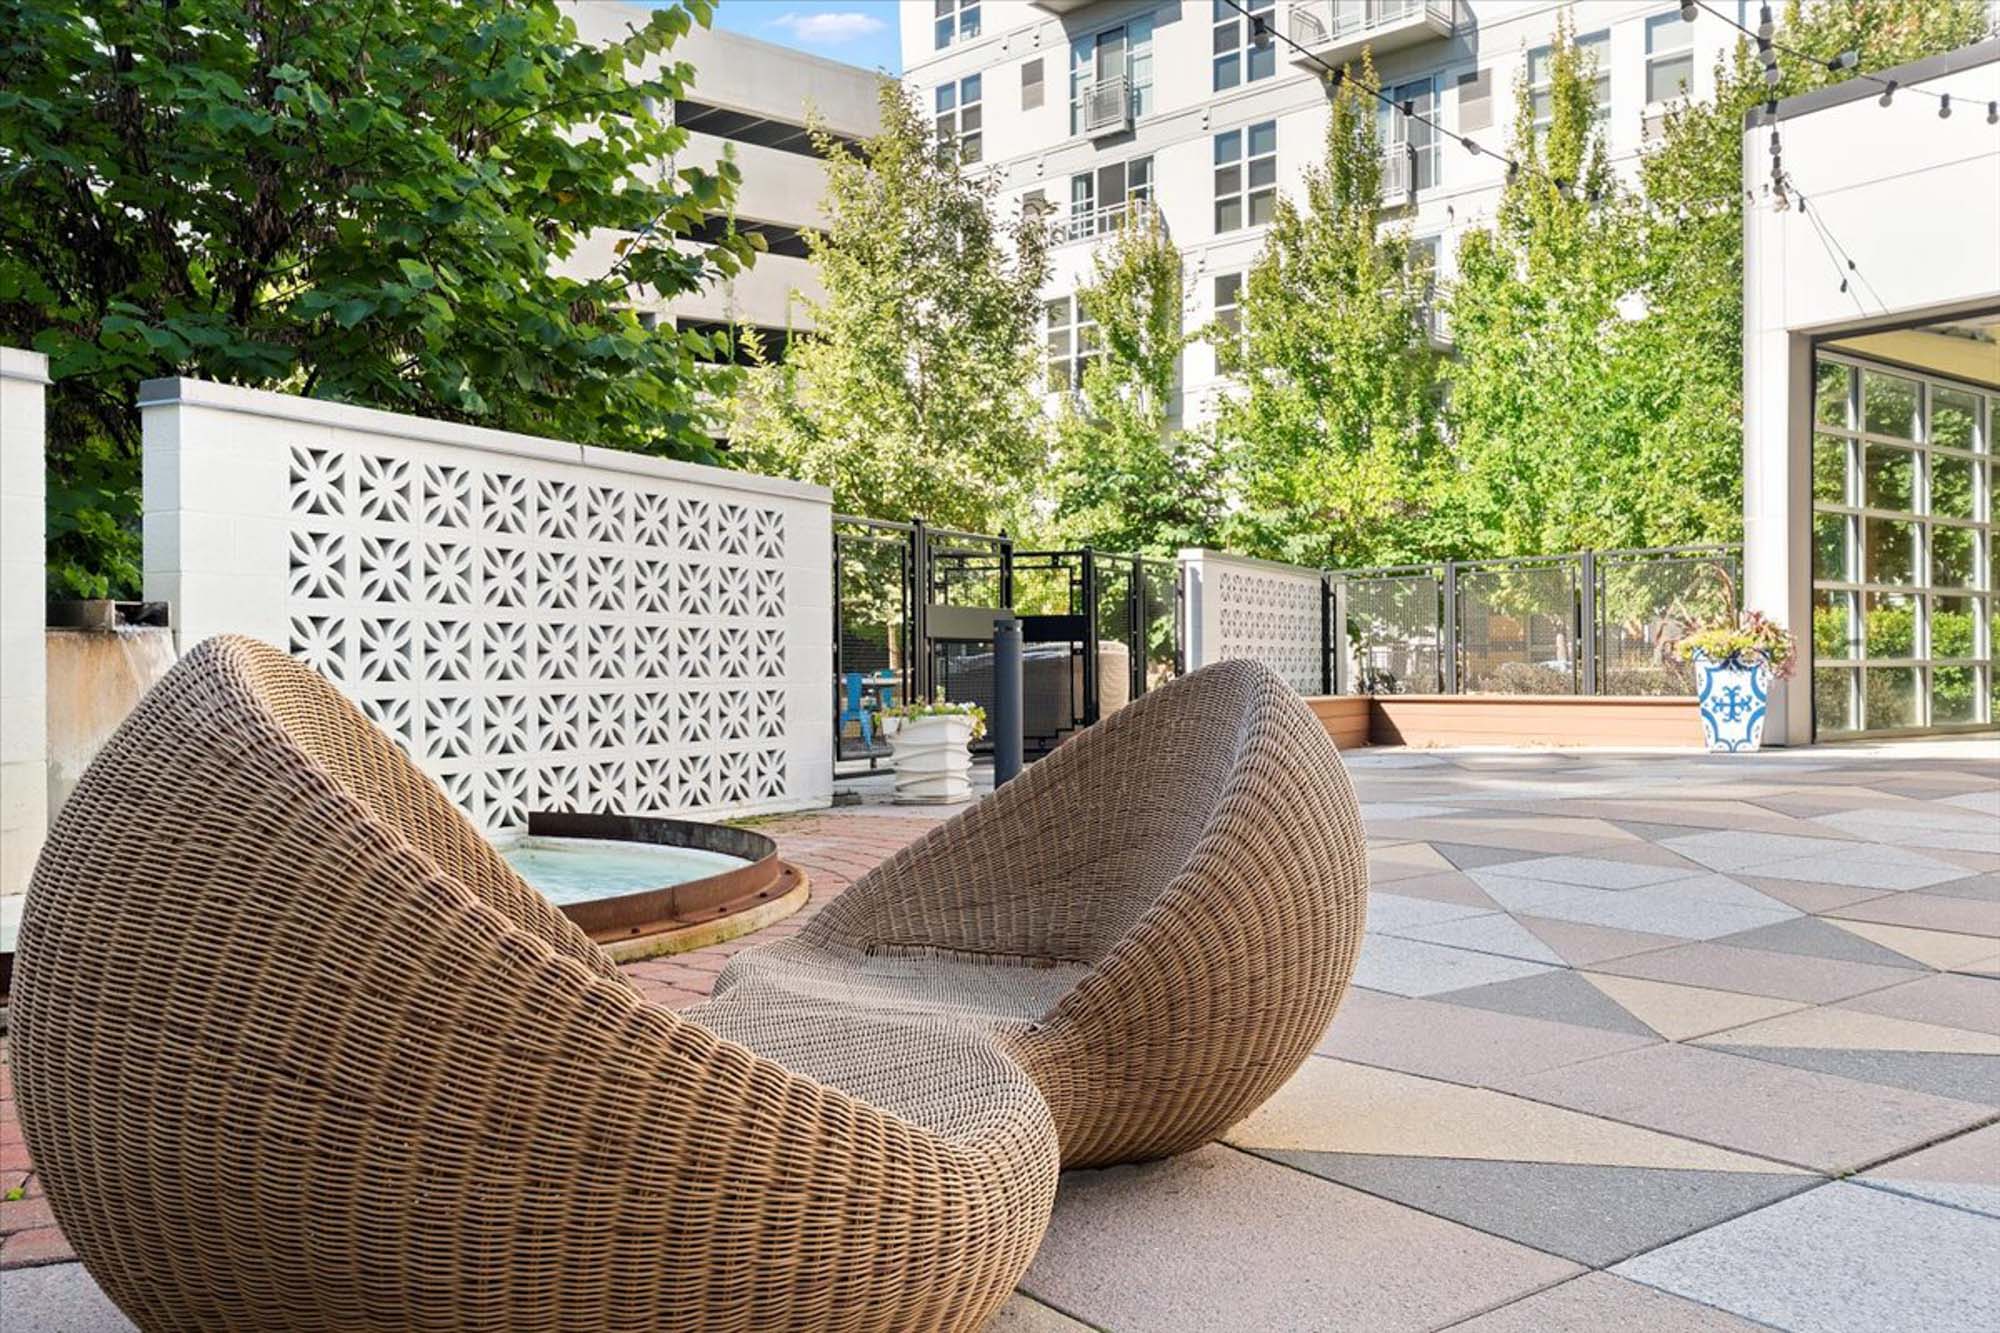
x,y
1592,622
913,618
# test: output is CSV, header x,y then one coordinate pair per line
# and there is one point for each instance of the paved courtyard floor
x,y
1637,1041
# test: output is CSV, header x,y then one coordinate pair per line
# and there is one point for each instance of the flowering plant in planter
x,y
1745,637
931,743
1735,658
938,707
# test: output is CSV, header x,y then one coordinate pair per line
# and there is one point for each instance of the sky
x,y
860,32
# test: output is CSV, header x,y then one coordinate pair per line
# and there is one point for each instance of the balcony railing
x,y
1082,224
1106,106
1399,175
1338,24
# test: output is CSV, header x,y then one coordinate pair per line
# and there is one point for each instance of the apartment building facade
x,y
1091,107
750,100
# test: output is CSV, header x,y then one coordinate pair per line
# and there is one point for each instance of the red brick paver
x,y
832,848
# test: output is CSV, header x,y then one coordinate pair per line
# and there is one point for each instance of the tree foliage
x,y
1686,356
913,392
378,202
1127,477
1547,427
1336,418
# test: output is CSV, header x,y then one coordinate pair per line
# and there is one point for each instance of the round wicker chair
x,y
1157,920
296,1050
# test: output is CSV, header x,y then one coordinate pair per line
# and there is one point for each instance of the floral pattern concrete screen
x,y
543,634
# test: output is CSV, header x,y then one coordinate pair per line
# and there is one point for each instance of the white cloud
x,y
831,29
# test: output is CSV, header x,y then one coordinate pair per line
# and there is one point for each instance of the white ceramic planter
x,y
933,759
1732,694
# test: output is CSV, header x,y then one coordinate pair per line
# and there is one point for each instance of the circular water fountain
x,y
641,886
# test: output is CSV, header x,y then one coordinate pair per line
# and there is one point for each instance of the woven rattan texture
x,y
1157,920
296,1051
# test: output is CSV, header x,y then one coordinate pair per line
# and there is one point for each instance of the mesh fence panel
x,y
1644,604
1518,627
873,632
1393,635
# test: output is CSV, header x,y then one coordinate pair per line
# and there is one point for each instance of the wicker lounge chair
x,y
1156,921
295,1049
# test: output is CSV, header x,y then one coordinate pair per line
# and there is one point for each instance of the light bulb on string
x,y
1845,60
1944,106
1888,93
1993,113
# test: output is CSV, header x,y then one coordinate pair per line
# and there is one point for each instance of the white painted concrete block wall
x,y
1240,607
23,575
543,625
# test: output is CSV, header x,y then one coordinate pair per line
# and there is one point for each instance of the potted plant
x,y
930,745
1735,658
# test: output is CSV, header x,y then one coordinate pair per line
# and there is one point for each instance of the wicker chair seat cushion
x,y
987,991
938,1076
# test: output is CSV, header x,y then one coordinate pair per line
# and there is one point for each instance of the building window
x,y
1229,301
1072,342
1595,49
1098,59
1031,84
1903,531
1411,153
1243,49
1423,261
1100,199
957,21
1246,176
1669,57
958,115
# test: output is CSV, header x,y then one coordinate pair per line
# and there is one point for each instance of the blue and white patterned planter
x,y
1733,695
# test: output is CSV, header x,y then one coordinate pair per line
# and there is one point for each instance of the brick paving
x,y
1636,1041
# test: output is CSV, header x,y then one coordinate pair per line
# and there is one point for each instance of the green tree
x,y
367,202
1126,478
1335,416
1545,421
1685,358
913,394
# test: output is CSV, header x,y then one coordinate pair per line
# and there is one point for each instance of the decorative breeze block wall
x,y
543,626
1240,607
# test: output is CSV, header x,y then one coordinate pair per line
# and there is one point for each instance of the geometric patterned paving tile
x,y
1387,864
1582,946
1218,1239
1489,932
1557,997
1596,1215
1701,908
1657,832
1840,1259
1393,914
1596,872
1807,897
1927,911
1022,1315
1963,1172
1451,1042
1597,1302
1985,802
59,1298
1837,1028
1922,825
1756,972
1940,949
1334,1106
1467,856
1680,1013
1409,967
1734,849
1981,967
1983,887
1811,937
1867,872
1951,1001
1445,886
1820,1121
1965,1078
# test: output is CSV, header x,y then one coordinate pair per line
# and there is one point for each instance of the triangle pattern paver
x,y
1680,1013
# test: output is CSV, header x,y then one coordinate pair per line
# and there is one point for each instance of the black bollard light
x,y
1006,718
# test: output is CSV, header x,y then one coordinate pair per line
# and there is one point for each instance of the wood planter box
x,y
1508,719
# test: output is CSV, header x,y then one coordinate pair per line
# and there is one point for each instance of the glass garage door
x,y
1903,470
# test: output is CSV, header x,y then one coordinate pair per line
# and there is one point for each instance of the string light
x,y
1944,107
